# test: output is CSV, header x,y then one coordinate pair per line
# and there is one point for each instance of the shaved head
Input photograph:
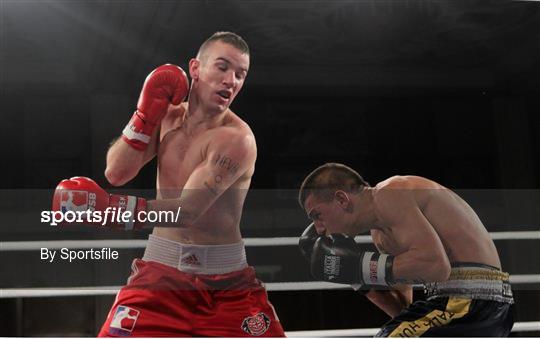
x,y
327,179
229,38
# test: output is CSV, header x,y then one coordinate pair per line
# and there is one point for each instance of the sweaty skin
x,y
206,154
424,225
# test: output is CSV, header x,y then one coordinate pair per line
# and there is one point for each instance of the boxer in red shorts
x,y
194,279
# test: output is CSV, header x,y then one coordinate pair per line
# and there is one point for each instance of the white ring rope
x,y
529,326
277,286
252,242
79,244
522,235
353,332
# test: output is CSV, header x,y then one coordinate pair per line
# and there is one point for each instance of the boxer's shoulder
x,y
236,123
235,141
396,196
234,132
395,187
406,183
393,197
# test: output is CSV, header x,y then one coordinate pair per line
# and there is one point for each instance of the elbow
x,y
115,177
440,268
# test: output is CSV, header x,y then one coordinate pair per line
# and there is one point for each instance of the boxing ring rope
x,y
253,242
39,292
529,326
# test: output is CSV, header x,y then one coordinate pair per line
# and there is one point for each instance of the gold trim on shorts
x,y
455,308
464,273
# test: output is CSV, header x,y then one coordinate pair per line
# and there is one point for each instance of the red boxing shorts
x,y
160,300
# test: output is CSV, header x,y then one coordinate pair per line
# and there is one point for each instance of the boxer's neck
x,y
365,211
197,120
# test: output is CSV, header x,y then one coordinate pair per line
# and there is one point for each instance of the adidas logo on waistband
x,y
190,260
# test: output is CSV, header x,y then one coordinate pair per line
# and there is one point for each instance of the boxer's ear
x,y
342,199
194,66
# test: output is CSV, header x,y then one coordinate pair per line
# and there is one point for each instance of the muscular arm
x,y
124,161
228,158
424,258
165,85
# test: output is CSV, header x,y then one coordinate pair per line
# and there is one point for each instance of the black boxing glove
x,y
337,258
307,240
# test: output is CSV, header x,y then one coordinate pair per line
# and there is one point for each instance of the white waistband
x,y
196,259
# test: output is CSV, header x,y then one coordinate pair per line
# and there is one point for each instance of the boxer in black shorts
x,y
424,234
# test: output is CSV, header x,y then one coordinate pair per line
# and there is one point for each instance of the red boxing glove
x,y
165,85
81,194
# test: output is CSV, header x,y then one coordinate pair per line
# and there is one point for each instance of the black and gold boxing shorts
x,y
476,301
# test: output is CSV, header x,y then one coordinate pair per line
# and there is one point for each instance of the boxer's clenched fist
x,y
167,84
338,258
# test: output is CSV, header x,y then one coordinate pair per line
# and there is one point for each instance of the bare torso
x,y
461,232
179,154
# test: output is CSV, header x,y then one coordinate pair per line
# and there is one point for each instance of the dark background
x,y
444,89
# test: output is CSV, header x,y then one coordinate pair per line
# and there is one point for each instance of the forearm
x,y
181,212
416,266
390,301
124,161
